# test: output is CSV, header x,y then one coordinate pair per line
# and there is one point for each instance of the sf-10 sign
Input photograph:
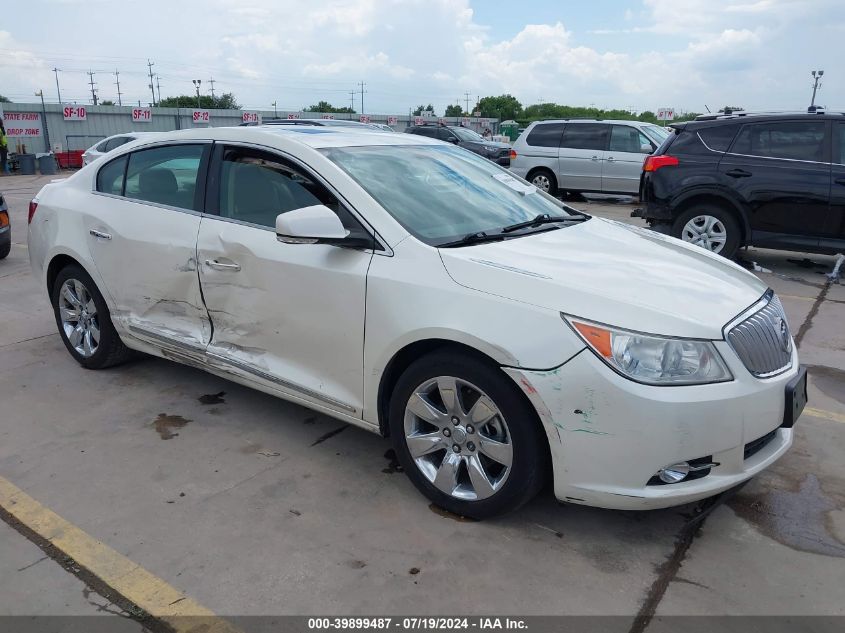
x,y
200,116
665,114
75,113
142,115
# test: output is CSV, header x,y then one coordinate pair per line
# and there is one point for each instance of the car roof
x,y
741,116
583,120
314,136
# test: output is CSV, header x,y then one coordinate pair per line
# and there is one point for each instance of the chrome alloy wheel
x,y
78,315
458,438
705,231
542,182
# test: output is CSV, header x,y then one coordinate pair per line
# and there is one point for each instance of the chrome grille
x,y
762,341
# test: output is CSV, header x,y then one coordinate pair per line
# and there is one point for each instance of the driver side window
x,y
257,186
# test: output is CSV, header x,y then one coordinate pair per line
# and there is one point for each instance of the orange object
x,y
597,337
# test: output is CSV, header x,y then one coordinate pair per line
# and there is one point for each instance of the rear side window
x,y
545,135
718,138
795,140
585,136
116,142
165,175
424,131
110,177
841,159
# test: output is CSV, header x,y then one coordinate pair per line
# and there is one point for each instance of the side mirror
x,y
453,139
316,224
646,148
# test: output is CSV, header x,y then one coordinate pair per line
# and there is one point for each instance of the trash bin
x,y
47,165
26,163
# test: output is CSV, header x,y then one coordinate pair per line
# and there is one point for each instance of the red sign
x,y
326,116
364,118
142,115
419,120
392,120
75,113
293,116
22,124
251,117
200,116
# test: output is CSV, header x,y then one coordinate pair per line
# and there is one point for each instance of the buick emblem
x,y
785,339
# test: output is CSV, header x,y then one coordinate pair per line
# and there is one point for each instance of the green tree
x,y
5,99
420,109
226,101
107,102
453,110
325,106
504,107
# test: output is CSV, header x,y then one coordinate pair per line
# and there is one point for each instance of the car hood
x,y
612,273
486,144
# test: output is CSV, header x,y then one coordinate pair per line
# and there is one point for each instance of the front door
x,y
781,169
289,315
834,237
623,161
581,156
142,233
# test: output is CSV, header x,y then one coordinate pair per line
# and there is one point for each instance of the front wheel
x,y
466,436
84,322
710,227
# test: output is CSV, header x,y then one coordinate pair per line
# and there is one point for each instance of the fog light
x,y
674,473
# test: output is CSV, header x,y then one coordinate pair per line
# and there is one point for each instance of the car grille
x,y
752,448
762,341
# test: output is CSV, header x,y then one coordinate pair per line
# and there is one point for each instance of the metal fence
x,y
69,130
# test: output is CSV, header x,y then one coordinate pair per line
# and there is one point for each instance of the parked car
x,y
499,153
509,338
109,143
767,180
5,229
344,123
585,155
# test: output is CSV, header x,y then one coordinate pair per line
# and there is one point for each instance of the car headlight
x,y
650,359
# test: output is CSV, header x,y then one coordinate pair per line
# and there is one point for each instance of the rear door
x,y
834,237
623,161
142,234
781,169
581,156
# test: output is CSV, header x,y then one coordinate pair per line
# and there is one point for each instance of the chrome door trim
x,y
243,366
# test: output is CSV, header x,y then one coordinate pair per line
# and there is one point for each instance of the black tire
x,y
5,245
545,173
525,434
110,350
728,219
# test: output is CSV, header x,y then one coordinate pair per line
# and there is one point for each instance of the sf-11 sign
x,y
142,115
75,113
252,117
201,116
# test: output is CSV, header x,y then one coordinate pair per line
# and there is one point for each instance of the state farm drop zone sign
x,y
21,124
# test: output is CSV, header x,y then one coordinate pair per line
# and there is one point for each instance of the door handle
x,y
100,234
840,181
221,266
738,173
594,158
610,159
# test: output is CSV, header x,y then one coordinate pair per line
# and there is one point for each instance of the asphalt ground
x,y
142,493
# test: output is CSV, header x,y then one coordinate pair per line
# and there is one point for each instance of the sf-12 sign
x,y
665,114
201,116
364,118
327,116
142,115
252,117
75,113
392,120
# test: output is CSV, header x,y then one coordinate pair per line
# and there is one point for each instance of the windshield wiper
x,y
473,238
543,218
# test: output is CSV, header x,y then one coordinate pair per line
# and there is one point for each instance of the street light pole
x,y
817,75
197,83
275,112
40,93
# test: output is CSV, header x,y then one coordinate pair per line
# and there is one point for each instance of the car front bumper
x,y
609,435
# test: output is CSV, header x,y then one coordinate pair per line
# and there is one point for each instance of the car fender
x,y
714,190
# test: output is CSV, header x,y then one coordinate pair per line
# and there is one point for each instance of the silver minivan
x,y
585,155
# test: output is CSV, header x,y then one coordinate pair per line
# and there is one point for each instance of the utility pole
x,y
197,83
211,81
362,97
117,82
817,76
275,112
467,95
58,92
158,87
90,74
40,93
152,91
352,94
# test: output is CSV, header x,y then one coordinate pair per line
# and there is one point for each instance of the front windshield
x,y
443,193
466,135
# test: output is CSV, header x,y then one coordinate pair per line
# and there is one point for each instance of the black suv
x,y
464,137
743,179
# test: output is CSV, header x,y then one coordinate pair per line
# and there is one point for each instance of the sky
x,y
635,54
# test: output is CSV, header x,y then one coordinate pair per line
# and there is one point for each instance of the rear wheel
x,y
709,226
544,180
465,436
5,245
84,323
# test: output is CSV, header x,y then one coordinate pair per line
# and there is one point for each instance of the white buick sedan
x,y
412,288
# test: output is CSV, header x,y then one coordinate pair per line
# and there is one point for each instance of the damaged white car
x,y
419,291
